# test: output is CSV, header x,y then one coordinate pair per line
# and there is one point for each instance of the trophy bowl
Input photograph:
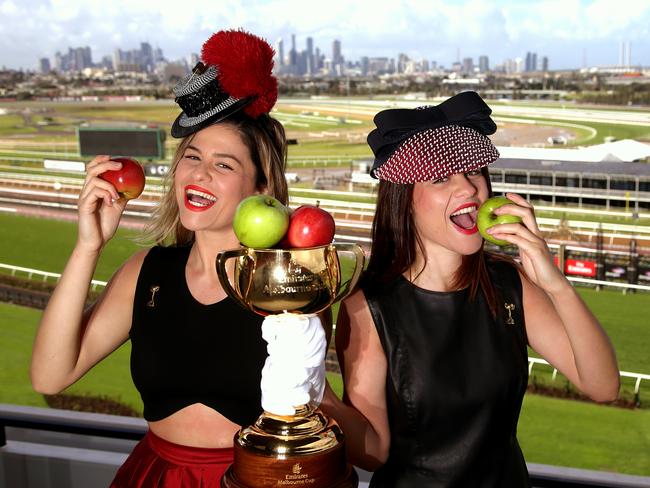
x,y
303,281
307,448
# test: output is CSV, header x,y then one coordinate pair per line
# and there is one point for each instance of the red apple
x,y
128,180
310,226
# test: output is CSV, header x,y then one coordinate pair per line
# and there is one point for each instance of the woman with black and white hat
x,y
433,348
196,355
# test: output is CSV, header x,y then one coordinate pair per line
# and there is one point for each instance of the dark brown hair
x,y
395,242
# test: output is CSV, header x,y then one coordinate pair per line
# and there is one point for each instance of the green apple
x,y
260,221
486,218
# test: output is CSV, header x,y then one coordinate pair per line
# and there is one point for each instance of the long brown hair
x,y
395,242
265,139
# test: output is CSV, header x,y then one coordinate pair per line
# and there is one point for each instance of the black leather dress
x,y
455,384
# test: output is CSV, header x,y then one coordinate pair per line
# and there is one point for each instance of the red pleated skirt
x,y
157,463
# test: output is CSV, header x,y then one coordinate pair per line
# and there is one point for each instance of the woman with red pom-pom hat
x,y
196,356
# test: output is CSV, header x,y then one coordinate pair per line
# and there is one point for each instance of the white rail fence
x,y
45,276
625,374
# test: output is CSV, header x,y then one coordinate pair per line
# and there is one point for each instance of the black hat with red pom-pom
x,y
235,74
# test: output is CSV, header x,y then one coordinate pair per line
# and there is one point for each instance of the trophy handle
x,y
360,258
222,257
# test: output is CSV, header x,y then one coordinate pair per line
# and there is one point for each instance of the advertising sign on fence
x,y
580,268
615,271
644,275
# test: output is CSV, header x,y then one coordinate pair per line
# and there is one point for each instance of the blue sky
x,y
569,32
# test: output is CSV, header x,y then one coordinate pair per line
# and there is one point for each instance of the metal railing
x,y
116,427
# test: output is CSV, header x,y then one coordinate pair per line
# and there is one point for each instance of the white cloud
x,y
8,8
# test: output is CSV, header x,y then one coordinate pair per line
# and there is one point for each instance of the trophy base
x,y
277,475
306,449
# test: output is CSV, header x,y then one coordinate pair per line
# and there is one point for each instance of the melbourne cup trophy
x,y
292,443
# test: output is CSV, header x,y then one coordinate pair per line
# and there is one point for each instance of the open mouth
x,y
198,199
464,219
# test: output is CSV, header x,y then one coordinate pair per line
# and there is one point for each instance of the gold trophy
x,y
307,448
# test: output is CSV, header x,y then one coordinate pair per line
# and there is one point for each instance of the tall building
x,y
44,65
629,54
337,57
402,61
117,59
531,62
625,56
318,59
75,59
81,58
309,58
158,56
106,63
146,55
58,62
544,64
365,65
483,64
280,53
293,54
468,65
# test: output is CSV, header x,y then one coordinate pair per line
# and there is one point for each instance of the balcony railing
x,y
49,448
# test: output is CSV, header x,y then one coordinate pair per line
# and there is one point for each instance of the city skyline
x,y
294,61
572,34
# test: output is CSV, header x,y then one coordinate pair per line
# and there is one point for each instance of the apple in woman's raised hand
x,y
486,218
128,180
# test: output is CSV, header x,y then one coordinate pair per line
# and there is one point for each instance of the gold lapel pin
x,y
509,307
153,289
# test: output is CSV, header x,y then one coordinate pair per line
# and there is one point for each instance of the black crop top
x,y
184,352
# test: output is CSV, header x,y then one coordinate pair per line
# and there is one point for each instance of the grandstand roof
x,y
589,167
627,150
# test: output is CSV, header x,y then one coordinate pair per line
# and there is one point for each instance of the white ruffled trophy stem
x,y
294,372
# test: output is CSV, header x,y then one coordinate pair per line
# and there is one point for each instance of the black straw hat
x,y
235,74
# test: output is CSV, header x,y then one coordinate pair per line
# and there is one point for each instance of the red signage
x,y
580,268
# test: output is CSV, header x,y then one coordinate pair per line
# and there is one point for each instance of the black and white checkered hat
x,y
235,74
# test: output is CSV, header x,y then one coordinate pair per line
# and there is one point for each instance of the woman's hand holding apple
x,y
100,206
535,256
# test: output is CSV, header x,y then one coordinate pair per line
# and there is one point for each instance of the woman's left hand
x,y
535,256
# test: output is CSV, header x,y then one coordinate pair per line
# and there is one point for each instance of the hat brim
x,y
179,131
437,153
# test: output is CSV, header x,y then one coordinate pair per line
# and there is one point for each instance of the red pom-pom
x,y
245,64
